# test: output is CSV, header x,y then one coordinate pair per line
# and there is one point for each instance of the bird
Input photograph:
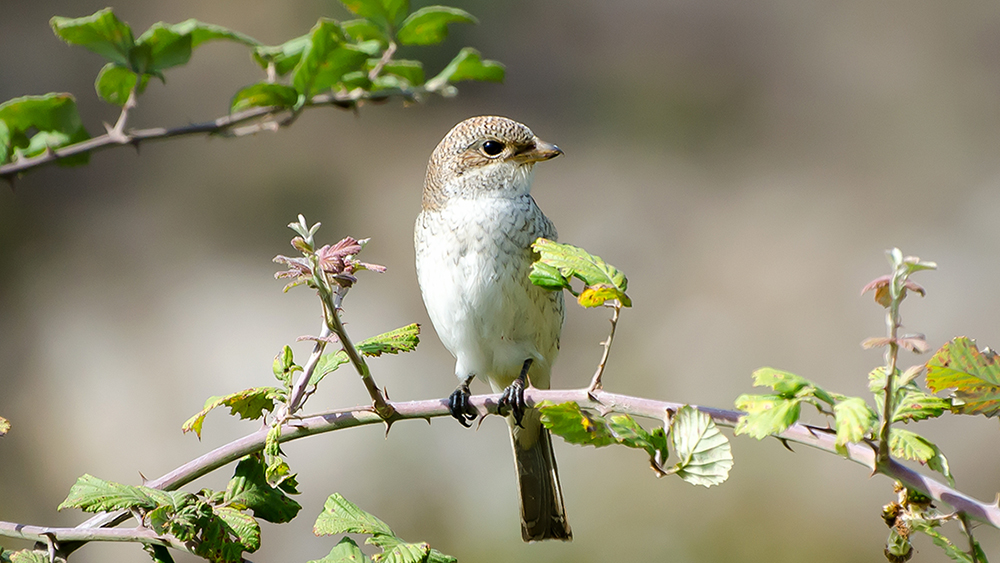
x,y
473,241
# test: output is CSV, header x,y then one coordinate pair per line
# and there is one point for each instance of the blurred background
x,y
747,165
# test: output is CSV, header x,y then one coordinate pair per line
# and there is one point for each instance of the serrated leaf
x,y
346,551
325,59
705,454
403,339
467,65
788,385
387,14
917,405
167,47
429,25
436,556
547,276
767,415
574,425
627,432
114,84
910,445
264,94
602,279
341,516
92,494
284,366
102,33
55,118
158,553
403,552
974,375
242,526
248,404
249,489
327,364
854,420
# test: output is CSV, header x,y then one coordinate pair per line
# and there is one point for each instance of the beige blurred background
x,y
746,163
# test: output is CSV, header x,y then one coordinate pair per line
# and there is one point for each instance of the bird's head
x,y
484,156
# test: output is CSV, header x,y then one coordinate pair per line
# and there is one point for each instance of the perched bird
x,y
473,245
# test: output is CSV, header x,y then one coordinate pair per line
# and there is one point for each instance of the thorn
x,y
388,426
135,143
785,443
143,477
10,182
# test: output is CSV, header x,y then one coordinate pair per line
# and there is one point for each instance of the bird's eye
x,y
492,148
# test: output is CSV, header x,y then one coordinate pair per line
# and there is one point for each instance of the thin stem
x,y
386,57
296,399
892,322
81,534
595,382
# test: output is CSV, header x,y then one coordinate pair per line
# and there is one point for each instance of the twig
x,y
891,354
386,57
295,400
222,125
595,382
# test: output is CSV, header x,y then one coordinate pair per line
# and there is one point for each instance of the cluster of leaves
x,y
973,376
256,402
557,264
217,524
703,452
914,512
340,516
352,59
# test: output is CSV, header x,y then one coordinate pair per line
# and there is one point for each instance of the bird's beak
x,y
539,152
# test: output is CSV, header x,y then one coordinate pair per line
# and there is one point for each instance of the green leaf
x,y
705,454
854,420
91,494
284,366
574,425
436,556
327,364
114,84
547,276
767,415
28,556
410,71
398,551
248,404
284,57
325,59
346,551
249,489
159,553
974,375
910,445
55,118
467,65
264,94
952,551
4,426
403,339
429,25
387,14
201,32
627,432
789,385
242,526
365,30
102,33
917,405
167,47
602,280
341,516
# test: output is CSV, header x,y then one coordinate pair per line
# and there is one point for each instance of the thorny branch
x,y
820,438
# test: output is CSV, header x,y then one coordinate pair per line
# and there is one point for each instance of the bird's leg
x,y
513,395
458,404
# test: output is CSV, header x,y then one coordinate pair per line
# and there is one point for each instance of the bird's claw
x,y
513,399
460,408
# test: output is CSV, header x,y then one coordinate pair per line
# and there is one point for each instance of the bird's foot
x,y
513,396
459,407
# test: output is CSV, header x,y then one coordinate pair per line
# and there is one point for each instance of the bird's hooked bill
x,y
538,152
